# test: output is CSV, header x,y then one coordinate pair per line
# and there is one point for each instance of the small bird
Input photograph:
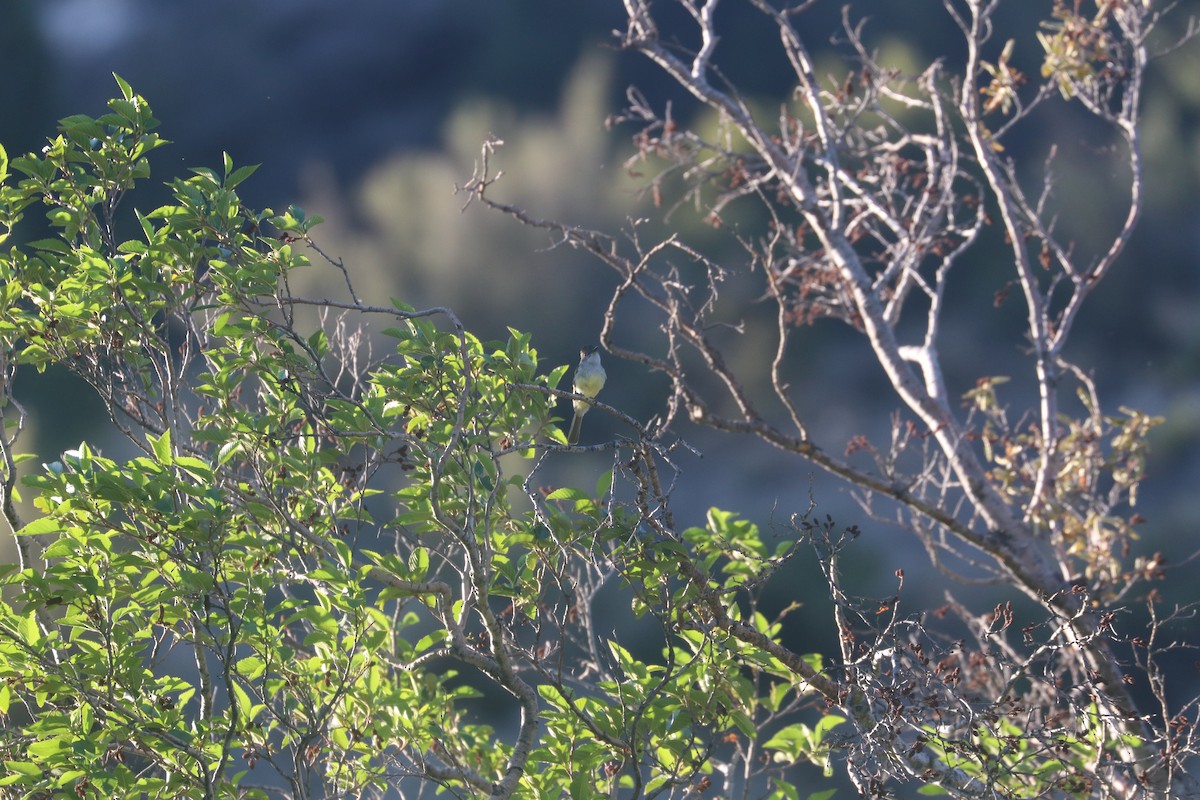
x,y
589,380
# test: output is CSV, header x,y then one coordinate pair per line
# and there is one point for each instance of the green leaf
x,y
244,705
162,447
61,548
794,741
201,470
228,451
604,483
581,785
210,175
40,526
51,245
46,749
744,723
19,770
418,564
112,488
240,174
251,668
126,89
567,493
827,723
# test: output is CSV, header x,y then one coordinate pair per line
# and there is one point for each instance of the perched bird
x,y
589,380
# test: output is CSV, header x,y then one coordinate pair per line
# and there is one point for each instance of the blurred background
x,y
369,113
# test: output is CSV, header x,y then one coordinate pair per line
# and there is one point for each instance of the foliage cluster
x,y
319,556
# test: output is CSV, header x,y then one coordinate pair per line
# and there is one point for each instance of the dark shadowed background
x,y
369,112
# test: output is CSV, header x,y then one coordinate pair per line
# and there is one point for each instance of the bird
x,y
589,380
